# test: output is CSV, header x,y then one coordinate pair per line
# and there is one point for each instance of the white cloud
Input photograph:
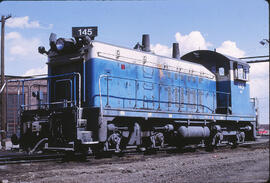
x,y
187,43
22,55
230,48
26,47
49,27
22,47
37,71
190,42
161,50
13,35
259,88
195,41
259,79
24,22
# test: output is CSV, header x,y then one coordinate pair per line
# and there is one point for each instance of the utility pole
x,y
3,99
268,1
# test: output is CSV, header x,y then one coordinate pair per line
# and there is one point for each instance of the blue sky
x,y
123,22
233,27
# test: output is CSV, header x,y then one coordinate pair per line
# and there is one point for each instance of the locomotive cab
x,y
232,90
232,82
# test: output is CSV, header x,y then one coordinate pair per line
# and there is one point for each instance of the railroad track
x,y
34,158
24,158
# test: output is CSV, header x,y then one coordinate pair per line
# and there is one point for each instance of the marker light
x,y
52,40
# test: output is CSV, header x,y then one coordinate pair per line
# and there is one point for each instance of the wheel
x,y
234,143
209,147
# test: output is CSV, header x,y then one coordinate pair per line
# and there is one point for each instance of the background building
x,y
15,97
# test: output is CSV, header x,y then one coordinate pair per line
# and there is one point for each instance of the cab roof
x,y
210,58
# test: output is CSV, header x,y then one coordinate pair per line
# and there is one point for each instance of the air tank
x,y
193,132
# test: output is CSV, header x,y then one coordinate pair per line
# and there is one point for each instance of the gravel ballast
x,y
233,165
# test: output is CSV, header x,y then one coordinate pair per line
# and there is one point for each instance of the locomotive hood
x,y
111,52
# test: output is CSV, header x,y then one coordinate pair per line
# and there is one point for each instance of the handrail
x,y
74,74
99,86
51,103
180,103
48,77
163,102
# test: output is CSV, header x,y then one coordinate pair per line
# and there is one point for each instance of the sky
x,y
231,27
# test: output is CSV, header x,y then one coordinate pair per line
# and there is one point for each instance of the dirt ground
x,y
232,165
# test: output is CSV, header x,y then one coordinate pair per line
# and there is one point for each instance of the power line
x,y
257,61
264,56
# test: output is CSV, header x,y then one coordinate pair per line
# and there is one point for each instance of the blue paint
x,y
237,97
240,93
141,87
126,86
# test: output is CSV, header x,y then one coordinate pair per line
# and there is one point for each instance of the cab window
x,y
241,72
246,72
221,71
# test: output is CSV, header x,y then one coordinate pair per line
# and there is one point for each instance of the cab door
x,y
63,90
223,92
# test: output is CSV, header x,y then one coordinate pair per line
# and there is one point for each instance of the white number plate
x,y
84,31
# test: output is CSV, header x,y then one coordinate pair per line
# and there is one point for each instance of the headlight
x,y
60,44
65,44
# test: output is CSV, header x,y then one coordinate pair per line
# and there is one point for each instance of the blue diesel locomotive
x,y
103,97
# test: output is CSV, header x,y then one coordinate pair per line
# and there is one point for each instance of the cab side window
x,y
246,72
241,72
221,71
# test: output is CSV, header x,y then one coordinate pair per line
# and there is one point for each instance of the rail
x,y
197,94
19,158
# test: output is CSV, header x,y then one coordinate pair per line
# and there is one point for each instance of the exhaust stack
x,y
175,51
146,43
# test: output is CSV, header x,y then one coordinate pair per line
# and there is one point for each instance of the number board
x,y
84,31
